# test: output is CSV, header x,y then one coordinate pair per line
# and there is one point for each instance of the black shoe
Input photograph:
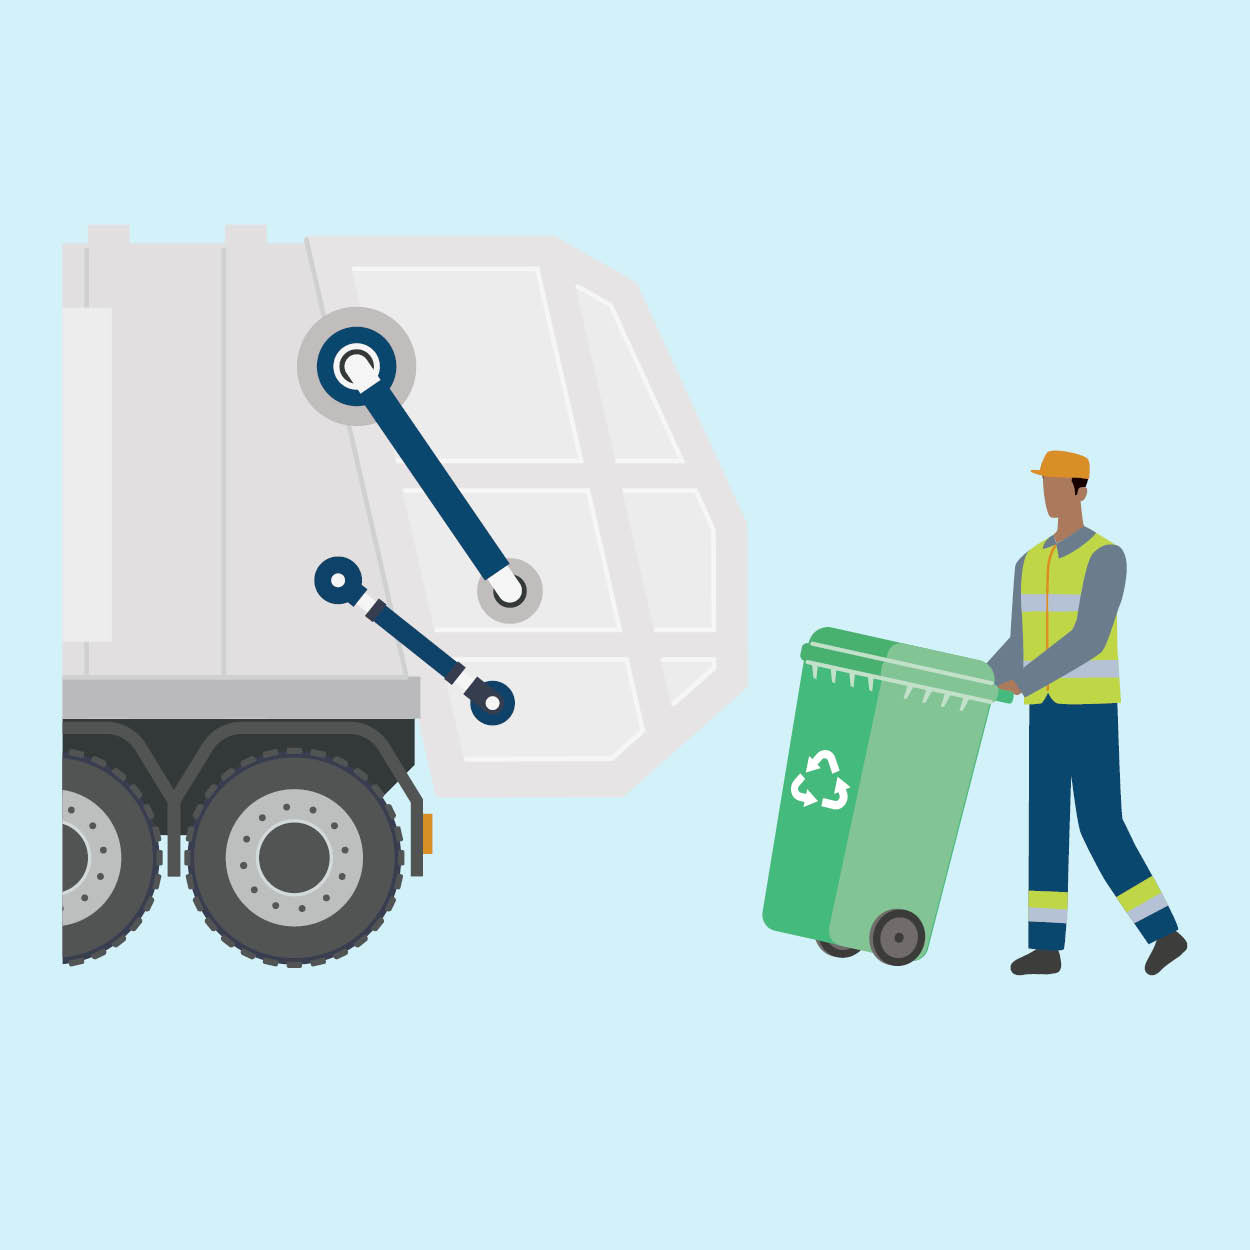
x,y
1169,947
1037,963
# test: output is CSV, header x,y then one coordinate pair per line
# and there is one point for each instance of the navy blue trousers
x,y
1074,751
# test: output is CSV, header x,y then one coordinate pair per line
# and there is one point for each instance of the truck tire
x,y
110,857
897,937
838,952
294,858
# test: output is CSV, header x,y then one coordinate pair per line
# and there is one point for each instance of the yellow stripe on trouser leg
x,y
1139,894
1048,907
1143,900
1057,899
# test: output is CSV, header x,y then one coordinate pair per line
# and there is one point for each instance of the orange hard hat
x,y
1063,464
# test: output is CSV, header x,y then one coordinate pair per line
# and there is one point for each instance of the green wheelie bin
x,y
884,744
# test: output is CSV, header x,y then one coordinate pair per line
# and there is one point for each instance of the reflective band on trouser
x,y
1148,909
1143,900
1048,907
1048,915
1048,919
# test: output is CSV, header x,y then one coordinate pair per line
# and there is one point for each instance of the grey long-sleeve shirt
x,y
1100,601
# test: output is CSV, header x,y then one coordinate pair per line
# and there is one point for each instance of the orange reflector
x,y
427,833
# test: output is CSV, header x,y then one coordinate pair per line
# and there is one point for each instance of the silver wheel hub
x,y
294,857
91,891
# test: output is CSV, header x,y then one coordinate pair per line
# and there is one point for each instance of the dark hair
x,y
1078,482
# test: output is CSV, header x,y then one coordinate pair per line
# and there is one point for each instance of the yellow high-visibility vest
x,y
1050,596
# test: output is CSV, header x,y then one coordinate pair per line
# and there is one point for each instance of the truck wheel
x,y
294,858
838,952
110,857
897,937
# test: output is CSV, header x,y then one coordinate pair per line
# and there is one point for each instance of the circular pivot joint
x,y
897,937
334,370
324,368
492,702
511,611
338,580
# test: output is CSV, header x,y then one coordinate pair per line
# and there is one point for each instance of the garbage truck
x,y
482,444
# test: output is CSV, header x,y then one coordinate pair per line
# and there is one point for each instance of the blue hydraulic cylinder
x,y
385,617
492,701
427,469
338,580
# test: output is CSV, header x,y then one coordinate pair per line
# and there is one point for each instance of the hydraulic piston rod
x,y
433,478
356,365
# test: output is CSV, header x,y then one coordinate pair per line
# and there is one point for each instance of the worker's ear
x,y
1080,494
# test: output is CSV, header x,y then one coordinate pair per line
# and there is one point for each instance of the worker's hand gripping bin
x,y
885,740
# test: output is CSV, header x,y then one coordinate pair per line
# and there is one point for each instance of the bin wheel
x,y
838,952
897,937
110,857
294,858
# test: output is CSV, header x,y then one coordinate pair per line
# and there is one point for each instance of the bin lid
x,y
938,670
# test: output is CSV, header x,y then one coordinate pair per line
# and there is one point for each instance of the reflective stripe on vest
x,y
1097,668
1050,598
1058,603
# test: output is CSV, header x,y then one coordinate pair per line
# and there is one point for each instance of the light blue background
x,y
897,251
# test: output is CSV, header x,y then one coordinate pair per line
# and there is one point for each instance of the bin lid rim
x,y
894,660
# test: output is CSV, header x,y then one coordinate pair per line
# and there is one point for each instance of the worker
x,y
1061,656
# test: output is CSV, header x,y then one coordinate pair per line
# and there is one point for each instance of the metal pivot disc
x,y
512,613
382,338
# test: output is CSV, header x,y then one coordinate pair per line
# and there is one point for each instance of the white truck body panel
x,y
544,386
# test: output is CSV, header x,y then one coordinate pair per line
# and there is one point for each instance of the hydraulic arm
x,y
356,366
338,580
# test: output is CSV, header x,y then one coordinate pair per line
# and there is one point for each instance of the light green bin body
x,y
902,725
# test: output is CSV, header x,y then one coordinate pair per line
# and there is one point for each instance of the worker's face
x,y
1059,495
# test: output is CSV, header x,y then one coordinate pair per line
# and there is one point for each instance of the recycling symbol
x,y
841,791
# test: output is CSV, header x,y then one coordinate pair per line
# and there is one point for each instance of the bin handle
x,y
1005,696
